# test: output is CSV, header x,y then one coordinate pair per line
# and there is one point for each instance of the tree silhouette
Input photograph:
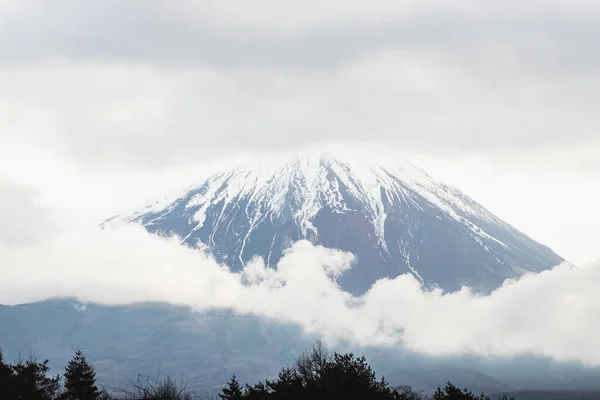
x,y
309,365
80,379
29,381
233,391
315,375
319,375
5,374
451,392
148,388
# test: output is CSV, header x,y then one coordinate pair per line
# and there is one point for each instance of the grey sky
x,y
454,77
165,33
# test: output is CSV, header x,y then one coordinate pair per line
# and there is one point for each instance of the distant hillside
x,y
209,347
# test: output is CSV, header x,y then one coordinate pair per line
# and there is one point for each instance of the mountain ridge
x,y
391,216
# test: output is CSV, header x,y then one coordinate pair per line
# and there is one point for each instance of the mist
x,y
554,314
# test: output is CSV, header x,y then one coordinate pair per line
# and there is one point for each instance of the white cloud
x,y
551,314
23,220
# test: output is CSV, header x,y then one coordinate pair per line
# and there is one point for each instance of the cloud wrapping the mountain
x,y
555,313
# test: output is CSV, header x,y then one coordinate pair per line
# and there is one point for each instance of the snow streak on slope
x,y
393,216
306,182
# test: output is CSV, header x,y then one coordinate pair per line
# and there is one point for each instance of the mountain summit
x,y
395,219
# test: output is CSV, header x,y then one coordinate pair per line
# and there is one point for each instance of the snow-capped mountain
x,y
394,218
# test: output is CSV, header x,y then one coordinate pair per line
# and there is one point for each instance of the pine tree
x,y
80,379
233,391
5,374
30,381
451,392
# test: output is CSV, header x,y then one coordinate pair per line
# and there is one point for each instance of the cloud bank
x,y
554,314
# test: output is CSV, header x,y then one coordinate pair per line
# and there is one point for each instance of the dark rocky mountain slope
x,y
395,219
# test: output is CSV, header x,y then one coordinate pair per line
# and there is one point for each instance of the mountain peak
x,y
309,161
392,215
313,179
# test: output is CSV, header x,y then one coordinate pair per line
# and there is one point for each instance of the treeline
x,y
316,375
30,380
321,375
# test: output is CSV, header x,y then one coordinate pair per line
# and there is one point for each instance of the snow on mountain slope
x,y
394,217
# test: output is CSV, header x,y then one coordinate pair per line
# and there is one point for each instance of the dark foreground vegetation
x,y
316,374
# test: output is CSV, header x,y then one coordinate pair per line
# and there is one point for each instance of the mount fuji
x,y
393,217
